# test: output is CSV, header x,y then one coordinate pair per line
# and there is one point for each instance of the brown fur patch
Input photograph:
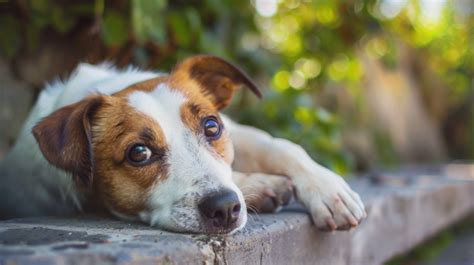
x,y
119,184
64,138
214,77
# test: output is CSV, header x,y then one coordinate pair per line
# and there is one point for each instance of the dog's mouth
x,y
200,226
222,212
211,227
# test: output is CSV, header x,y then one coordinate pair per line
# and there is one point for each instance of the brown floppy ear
x,y
65,138
216,78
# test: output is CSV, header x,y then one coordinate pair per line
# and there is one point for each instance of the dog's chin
x,y
195,225
209,228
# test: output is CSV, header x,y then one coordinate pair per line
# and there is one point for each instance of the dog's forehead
x,y
162,104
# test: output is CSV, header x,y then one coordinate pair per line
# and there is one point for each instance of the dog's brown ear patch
x,y
65,139
216,78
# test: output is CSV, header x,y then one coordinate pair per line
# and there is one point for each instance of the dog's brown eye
x,y
139,153
212,128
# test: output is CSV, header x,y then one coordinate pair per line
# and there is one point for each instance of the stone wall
x,y
404,208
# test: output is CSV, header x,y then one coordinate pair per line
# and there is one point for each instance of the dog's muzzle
x,y
220,211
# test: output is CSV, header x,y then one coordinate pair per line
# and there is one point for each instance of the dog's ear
x,y
216,78
65,138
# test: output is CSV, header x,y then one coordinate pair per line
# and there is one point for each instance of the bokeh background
x,y
361,85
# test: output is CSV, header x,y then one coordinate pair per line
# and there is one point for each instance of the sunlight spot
x,y
266,8
297,80
390,8
280,80
311,68
431,9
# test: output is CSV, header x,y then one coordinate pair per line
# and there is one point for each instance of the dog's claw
x,y
352,221
331,224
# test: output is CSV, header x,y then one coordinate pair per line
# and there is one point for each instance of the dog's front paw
x,y
332,203
265,193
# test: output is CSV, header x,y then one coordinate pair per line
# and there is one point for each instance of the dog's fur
x,y
85,126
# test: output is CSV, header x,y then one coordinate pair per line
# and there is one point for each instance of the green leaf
x,y
148,20
40,5
180,29
194,20
10,38
115,29
61,21
210,44
32,37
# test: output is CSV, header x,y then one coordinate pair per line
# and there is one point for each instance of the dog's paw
x,y
332,203
265,193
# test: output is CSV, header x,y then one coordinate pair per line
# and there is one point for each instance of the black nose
x,y
221,208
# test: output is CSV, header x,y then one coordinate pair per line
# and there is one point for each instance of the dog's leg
x,y
264,193
330,200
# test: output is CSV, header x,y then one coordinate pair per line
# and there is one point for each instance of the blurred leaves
x,y
10,38
291,114
148,20
115,31
318,42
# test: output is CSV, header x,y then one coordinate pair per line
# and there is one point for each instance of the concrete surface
x,y
403,210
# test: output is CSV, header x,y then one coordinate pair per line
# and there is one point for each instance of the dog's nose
x,y
221,208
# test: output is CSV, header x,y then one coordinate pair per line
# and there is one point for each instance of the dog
x,y
153,147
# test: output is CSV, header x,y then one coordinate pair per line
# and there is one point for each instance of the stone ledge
x,y
403,209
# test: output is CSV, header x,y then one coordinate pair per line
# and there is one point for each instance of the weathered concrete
x,y
403,210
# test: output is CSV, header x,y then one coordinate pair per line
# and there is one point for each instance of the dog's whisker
x,y
246,188
253,209
251,195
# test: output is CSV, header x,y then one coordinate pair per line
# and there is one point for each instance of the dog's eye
x,y
139,154
212,128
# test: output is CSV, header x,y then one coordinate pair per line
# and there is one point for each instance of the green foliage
x,y
444,44
318,42
304,46
292,115
114,29
148,20
9,36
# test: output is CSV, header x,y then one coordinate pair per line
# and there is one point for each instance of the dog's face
x,y
156,151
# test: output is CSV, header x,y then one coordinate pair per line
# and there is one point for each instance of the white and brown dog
x,y
153,147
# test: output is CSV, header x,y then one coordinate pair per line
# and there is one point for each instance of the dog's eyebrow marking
x,y
195,109
119,124
147,135
119,127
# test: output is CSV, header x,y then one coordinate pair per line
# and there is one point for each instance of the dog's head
x,y
156,151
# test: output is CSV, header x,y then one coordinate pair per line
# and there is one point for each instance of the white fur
x,y
194,169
